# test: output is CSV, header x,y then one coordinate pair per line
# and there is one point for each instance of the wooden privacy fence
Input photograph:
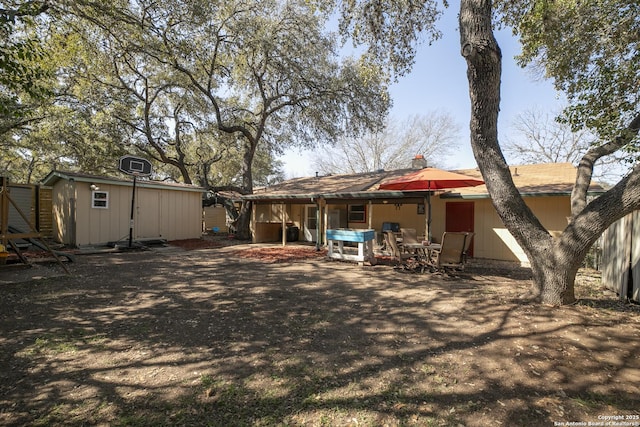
x,y
19,219
621,257
36,202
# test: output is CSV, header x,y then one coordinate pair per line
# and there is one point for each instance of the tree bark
x,y
244,219
242,223
554,278
553,264
554,267
585,168
484,62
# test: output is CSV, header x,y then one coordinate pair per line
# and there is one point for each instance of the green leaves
x,y
211,90
23,71
391,29
591,50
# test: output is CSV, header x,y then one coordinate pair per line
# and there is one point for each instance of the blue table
x,y
364,238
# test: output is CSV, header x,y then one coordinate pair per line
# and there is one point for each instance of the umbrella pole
x,y
429,215
426,220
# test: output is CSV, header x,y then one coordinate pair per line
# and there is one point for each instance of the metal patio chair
x,y
394,247
452,251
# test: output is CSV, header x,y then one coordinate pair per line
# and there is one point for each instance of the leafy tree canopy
x,y
22,69
590,49
391,29
262,72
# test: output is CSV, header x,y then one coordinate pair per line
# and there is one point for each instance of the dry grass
x,y
221,337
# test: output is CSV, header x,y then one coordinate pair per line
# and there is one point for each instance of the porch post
x,y
284,224
254,232
320,226
426,220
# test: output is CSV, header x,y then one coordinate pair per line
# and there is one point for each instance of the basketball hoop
x,y
136,167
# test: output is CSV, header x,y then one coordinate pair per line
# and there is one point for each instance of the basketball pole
x,y
133,203
135,166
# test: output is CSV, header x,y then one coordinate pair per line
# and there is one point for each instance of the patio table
x,y
417,248
429,248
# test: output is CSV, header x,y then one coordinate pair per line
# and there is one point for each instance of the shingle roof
x,y
535,179
329,184
541,178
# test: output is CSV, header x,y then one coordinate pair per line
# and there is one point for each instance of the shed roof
x,y
55,176
531,180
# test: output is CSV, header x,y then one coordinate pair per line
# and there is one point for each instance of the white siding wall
x,y
98,226
159,213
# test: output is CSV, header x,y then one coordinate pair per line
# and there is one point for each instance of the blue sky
x,y
438,82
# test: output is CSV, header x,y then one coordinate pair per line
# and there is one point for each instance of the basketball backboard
x,y
135,166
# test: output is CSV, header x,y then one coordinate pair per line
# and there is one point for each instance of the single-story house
x,y
95,210
309,206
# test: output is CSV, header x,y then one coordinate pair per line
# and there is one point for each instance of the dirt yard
x,y
253,336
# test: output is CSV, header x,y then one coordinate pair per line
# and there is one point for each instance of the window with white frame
x,y
100,199
357,213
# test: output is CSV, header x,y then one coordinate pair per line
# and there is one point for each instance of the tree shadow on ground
x,y
203,338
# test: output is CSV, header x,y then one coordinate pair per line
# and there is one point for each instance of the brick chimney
x,y
418,162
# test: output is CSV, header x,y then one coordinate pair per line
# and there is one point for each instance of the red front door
x,y
459,217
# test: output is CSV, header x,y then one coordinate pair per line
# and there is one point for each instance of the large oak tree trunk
x,y
243,222
554,260
555,283
553,270
243,231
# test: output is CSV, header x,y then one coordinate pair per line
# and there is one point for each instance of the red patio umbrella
x,y
430,179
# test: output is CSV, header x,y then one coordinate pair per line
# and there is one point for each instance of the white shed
x,y
94,210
